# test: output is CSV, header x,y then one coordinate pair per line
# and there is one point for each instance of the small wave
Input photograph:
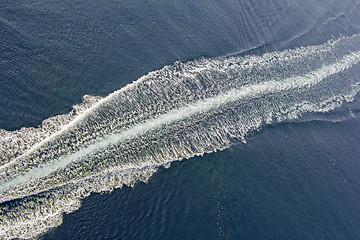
x,y
177,112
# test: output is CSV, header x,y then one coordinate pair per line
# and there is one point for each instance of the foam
x,y
15,143
177,112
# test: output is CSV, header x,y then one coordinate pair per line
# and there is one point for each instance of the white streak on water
x,y
177,112
244,92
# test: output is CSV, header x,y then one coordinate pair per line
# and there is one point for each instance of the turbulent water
x,y
177,112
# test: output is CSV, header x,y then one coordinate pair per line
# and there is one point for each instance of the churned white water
x,y
178,112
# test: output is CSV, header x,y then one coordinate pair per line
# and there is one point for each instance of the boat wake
x,y
178,112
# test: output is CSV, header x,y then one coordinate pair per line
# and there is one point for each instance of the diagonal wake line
x,y
175,115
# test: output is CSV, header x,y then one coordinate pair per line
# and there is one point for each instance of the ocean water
x,y
258,99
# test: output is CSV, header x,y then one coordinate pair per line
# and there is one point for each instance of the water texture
x,y
154,82
177,112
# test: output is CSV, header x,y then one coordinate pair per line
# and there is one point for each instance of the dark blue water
x,y
53,53
294,180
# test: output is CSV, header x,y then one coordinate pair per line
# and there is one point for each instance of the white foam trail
x,y
30,139
245,92
177,112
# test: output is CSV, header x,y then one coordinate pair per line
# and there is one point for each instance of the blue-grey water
x,y
259,99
